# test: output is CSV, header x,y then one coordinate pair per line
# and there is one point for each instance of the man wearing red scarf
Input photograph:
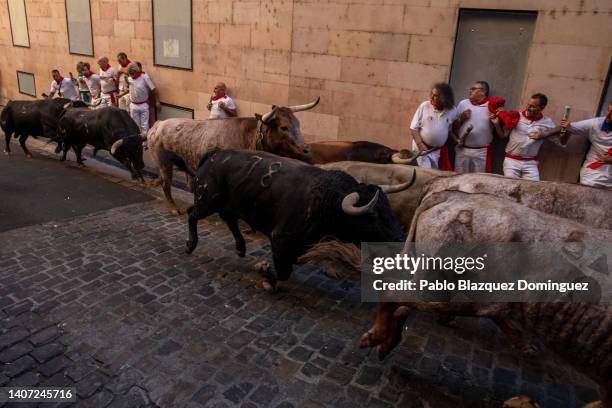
x,y
526,138
123,75
140,86
430,127
597,168
64,86
474,129
221,105
108,83
92,81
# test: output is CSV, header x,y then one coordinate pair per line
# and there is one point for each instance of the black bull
x,y
294,204
105,129
33,118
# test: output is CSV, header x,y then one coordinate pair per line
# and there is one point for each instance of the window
x,y
172,34
78,22
26,83
172,111
19,23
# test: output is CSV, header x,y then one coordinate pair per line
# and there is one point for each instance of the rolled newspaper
x,y
566,116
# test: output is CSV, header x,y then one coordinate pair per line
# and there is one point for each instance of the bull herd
x,y
306,196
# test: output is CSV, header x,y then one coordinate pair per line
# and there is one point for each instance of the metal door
x,y
492,46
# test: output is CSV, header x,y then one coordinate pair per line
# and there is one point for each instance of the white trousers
x,y
600,178
470,160
140,113
106,101
523,169
124,103
430,160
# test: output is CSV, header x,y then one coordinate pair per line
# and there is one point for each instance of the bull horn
x,y
348,204
116,145
270,115
299,108
398,159
396,188
67,105
426,152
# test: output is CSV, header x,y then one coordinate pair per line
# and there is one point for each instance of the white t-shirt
x,y
520,144
140,87
482,131
93,83
108,80
601,142
66,89
217,112
433,124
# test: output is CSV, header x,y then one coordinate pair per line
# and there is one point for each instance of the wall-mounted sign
x,y
172,34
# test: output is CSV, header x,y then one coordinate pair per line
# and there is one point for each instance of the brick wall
x,y
371,61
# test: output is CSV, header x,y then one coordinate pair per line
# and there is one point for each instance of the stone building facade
x,y
371,61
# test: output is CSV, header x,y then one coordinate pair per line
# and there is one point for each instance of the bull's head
x,y
128,150
281,132
378,224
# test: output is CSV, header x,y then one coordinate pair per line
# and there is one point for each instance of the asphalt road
x,y
42,189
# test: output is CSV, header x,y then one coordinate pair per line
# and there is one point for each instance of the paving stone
x,y
238,392
204,394
54,365
19,366
300,354
264,394
47,352
168,348
369,376
44,336
12,336
15,351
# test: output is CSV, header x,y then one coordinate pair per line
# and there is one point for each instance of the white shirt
x,y
66,89
601,142
125,78
140,87
217,112
433,124
93,83
108,80
520,144
482,131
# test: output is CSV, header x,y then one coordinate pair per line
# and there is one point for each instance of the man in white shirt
x,y
430,127
597,168
473,131
123,80
526,138
221,105
92,81
108,83
64,86
139,87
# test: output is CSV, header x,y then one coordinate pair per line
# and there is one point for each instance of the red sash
x,y
522,158
597,164
444,162
113,97
141,102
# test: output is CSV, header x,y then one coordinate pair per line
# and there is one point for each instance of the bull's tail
x,y
341,260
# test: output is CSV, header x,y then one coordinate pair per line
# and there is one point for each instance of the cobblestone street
x,y
108,303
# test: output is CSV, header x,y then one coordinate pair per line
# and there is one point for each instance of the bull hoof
x,y
7,152
62,159
81,164
371,339
522,401
241,250
58,149
29,155
190,246
268,287
176,211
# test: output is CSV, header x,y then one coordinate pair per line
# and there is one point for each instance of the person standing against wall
x,y
122,78
474,129
431,125
596,170
220,104
108,83
140,85
92,81
63,86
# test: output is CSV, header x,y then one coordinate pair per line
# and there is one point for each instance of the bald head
x,y
220,89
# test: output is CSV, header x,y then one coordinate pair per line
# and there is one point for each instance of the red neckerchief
x,y
437,107
532,118
106,68
137,75
127,62
482,101
216,98
59,80
495,104
88,74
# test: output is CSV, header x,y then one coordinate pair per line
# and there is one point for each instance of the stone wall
x,y
371,61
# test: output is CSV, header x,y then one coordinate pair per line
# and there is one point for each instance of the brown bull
x,y
581,333
185,141
369,152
